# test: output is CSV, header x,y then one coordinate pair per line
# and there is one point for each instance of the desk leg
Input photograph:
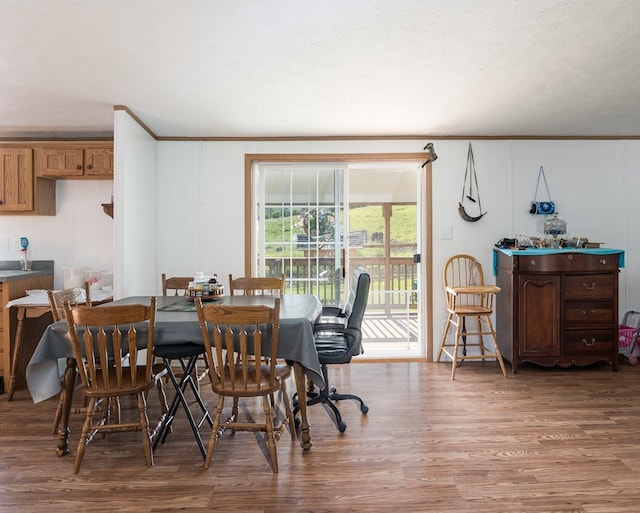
x,y
301,389
68,384
17,346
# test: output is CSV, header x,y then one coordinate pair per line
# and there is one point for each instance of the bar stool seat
x,y
187,355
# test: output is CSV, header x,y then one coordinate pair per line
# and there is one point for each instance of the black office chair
x,y
338,338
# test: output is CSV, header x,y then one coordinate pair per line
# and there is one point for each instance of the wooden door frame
x,y
254,158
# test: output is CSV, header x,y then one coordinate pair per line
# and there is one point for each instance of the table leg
x,y
16,351
68,384
301,389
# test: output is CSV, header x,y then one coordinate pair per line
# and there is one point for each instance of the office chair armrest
x,y
354,341
331,313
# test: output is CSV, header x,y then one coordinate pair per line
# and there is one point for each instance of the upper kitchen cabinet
x,y
21,192
75,161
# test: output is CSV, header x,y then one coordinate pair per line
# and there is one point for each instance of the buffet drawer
x,y
568,262
589,287
583,342
588,314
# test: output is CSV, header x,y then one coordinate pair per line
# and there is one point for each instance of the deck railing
x,y
392,290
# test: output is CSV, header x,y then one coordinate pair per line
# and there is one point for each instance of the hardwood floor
x,y
543,440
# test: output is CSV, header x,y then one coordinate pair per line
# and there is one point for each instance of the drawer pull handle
x,y
589,343
532,262
569,257
603,261
592,312
589,287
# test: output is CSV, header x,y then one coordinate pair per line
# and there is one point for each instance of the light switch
x,y
445,231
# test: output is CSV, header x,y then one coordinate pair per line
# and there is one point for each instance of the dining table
x,y
176,322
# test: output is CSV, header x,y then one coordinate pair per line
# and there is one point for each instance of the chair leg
x,y
496,347
444,336
215,432
326,396
82,444
454,356
146,433
288,411
271,442
58,416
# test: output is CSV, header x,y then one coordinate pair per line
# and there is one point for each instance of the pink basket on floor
x,y
625,338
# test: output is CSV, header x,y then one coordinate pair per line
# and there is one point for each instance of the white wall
x,y
594,184
80,234
135,207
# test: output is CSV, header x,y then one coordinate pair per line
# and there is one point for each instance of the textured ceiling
x,y
268,68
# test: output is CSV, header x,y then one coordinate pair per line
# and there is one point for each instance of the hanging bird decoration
x,y
470,179
431,154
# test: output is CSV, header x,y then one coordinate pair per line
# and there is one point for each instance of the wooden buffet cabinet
x,y
558,307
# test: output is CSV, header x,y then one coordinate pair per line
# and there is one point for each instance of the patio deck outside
x,y
390,326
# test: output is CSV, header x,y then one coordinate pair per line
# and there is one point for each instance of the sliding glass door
x,y
316,221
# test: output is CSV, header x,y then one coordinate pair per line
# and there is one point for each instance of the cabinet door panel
x,y
61,162
539,314
98,161
16,180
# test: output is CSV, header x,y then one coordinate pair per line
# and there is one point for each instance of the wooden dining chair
x,y
257,285
57,299
101,338
233,336
175,285
469,301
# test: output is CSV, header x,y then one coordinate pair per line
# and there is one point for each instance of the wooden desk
x,y
33,307
13,285
177,322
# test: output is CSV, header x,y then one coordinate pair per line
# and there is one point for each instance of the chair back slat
x,y
233,336
107,341
257,285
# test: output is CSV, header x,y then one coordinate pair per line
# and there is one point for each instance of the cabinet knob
x,y
89,166
569,257
78,167
589,343
589,286
532,262
603,261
